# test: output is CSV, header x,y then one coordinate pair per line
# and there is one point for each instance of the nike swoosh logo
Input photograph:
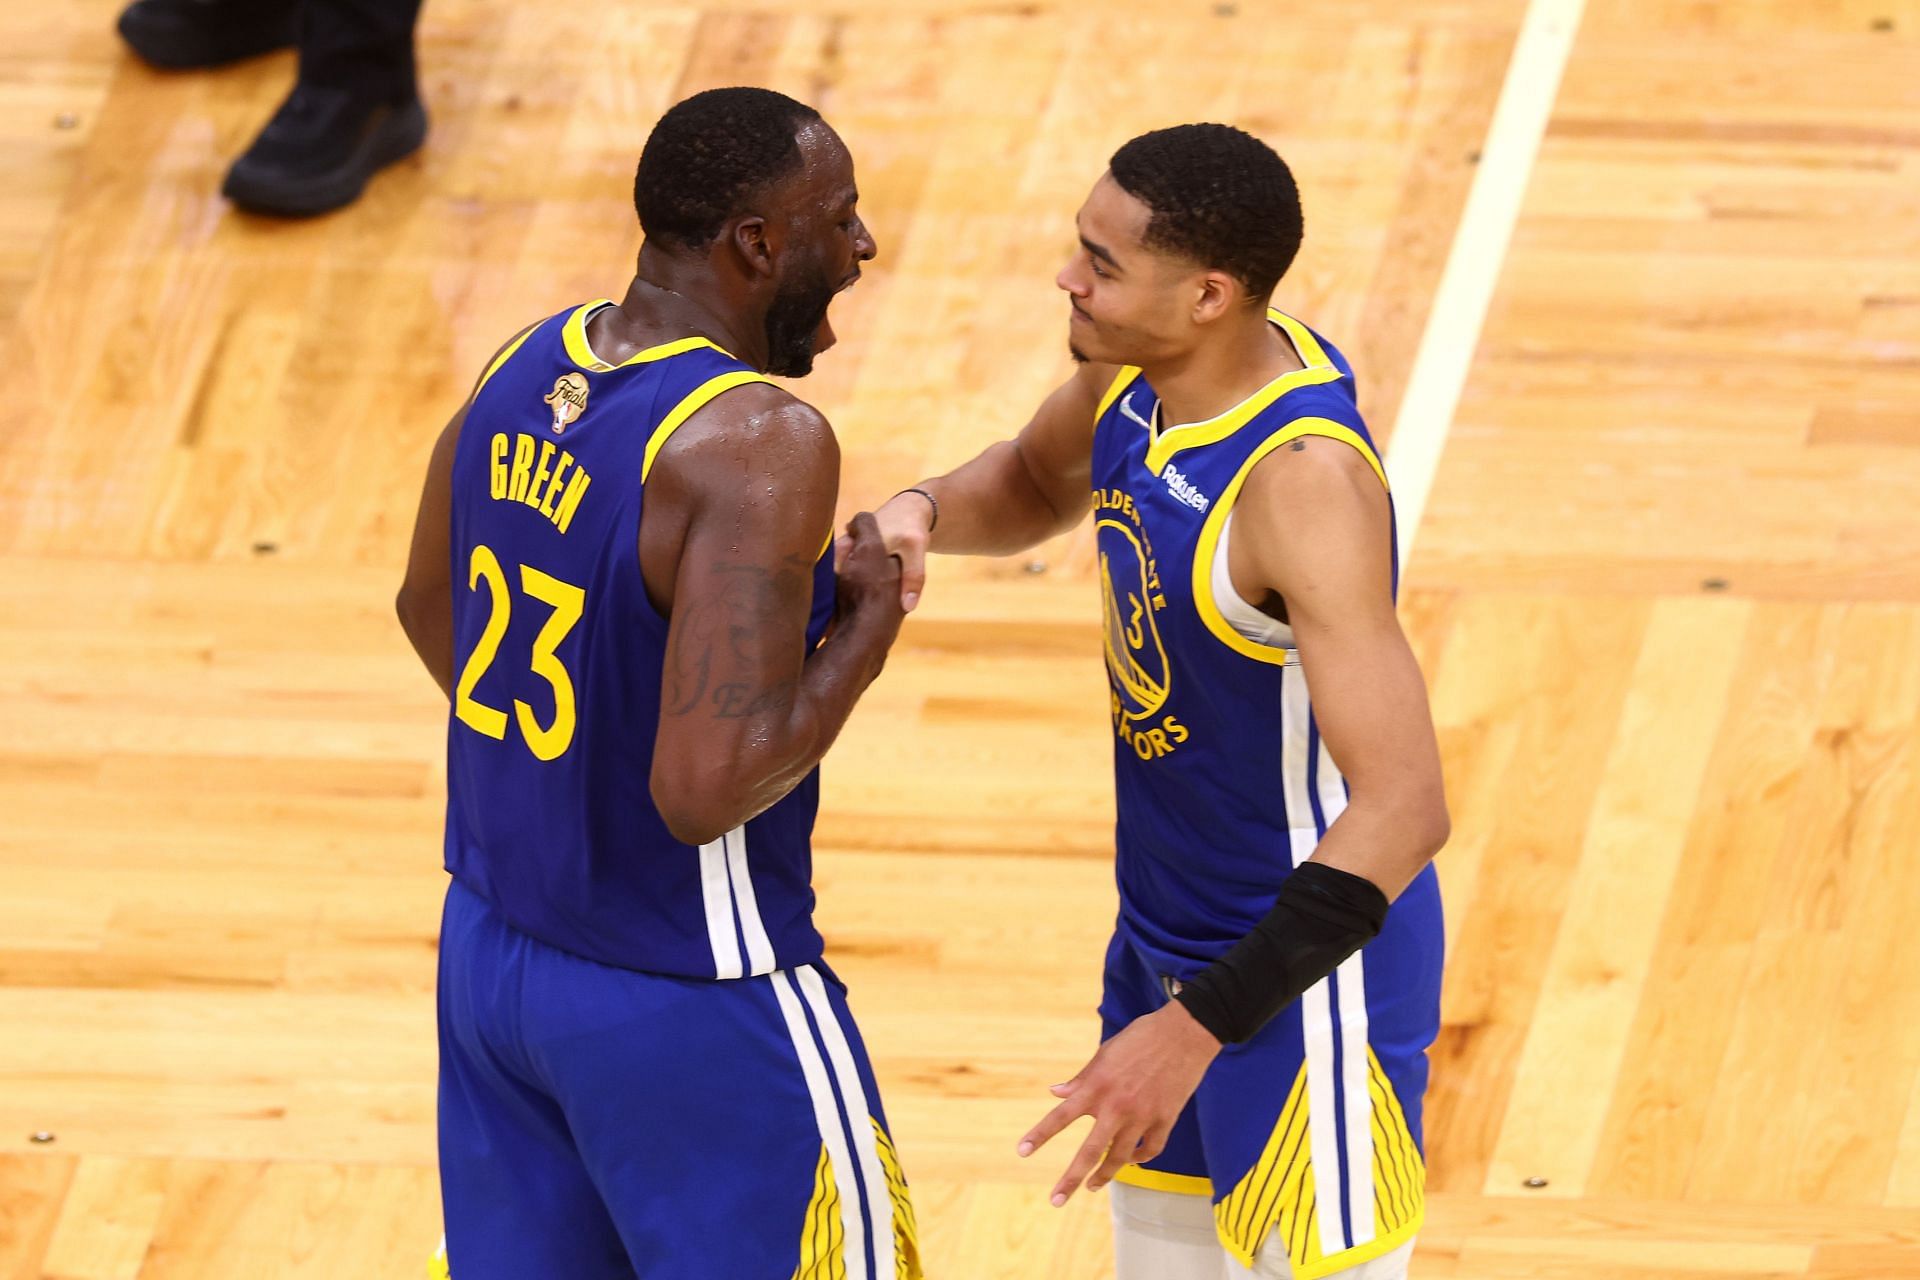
x,y
1126,410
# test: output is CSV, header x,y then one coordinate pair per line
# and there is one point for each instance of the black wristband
x,y
931,501
1322,916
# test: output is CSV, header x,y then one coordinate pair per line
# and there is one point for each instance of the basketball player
x,y
621,577
1256,1101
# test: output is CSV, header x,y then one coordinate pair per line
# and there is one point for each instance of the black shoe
x,y
177,34
318,151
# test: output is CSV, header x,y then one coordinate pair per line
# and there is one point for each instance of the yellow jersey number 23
x,y
548,742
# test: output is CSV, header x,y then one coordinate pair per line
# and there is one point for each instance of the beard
x,y
793,322
1079,356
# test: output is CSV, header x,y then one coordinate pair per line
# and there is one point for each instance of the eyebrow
x,y
1099,251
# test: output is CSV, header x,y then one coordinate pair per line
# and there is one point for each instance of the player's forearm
x,y
992,507
830,684
777,735
1326,910
1388,840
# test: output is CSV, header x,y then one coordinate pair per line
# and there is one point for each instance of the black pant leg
x,y
362,45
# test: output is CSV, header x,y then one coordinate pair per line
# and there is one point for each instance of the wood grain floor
x,y
1667,595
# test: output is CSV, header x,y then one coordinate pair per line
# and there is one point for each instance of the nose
x,y
864,248
1070,281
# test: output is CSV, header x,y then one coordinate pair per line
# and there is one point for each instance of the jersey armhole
x,y
1204,601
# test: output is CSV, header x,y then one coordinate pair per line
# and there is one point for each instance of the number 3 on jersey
x,y
567,601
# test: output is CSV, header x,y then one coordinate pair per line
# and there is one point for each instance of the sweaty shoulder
x,y
756,471
755,429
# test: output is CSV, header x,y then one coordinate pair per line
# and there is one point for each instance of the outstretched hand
x,y
903,522
1134,1088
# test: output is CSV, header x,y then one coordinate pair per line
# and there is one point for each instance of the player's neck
x,y
670,299
1221,372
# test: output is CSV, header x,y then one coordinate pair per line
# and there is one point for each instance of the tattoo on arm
x,y
732,626
736,700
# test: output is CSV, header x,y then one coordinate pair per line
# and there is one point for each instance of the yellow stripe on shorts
x,y
1277,1193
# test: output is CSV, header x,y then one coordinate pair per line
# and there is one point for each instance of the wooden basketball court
x,y
1666,591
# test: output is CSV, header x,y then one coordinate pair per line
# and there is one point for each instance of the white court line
x,y
1479,250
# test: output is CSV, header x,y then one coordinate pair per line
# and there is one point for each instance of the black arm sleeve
x,y
1322,916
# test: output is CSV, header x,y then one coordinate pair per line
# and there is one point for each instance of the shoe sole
x,y
401,136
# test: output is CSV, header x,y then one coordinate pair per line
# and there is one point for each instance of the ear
x,y
751,240
1219,294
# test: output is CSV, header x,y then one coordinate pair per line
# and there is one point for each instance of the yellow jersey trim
x,y
1378,1247
1185,1184
506,354
1304,342
1203,598
1121,381
574,335
695,401
1193,435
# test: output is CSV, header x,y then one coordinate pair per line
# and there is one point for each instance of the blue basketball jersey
x,y
558,656
1223,786
1222,782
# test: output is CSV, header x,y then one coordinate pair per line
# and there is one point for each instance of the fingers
x,y
1051,1123
1084,1161
1153,1144
898,541
1125,1150
862,555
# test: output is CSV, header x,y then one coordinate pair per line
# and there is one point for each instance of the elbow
x,y
694,810
692,828
1432,824
1419,821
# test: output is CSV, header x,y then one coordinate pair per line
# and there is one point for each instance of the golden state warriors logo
x,y
1137,666
568,399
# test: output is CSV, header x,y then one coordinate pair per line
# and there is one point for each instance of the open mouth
x,y
824,336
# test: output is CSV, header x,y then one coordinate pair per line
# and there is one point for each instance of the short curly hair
x,y
1217,195
710,155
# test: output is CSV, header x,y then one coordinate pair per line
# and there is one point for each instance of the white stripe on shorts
x,y
826,1114
859,1113
1352,1015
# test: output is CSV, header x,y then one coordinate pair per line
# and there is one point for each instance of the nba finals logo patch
x,y
568,400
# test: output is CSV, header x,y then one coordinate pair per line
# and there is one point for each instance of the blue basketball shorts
x,y
598,1123
1311,1129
